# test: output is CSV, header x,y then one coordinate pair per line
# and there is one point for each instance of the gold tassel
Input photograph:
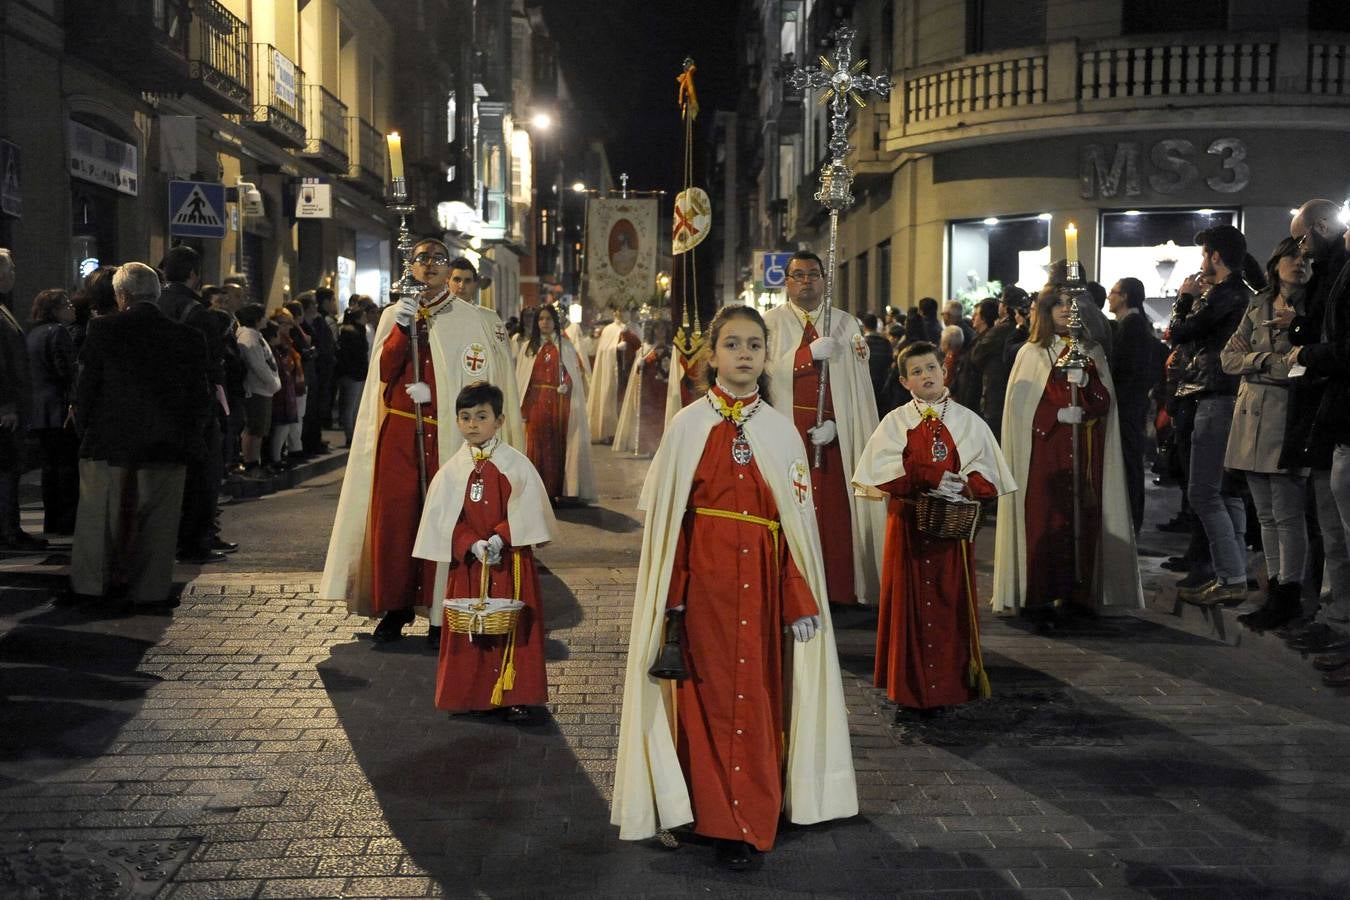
x,y
977,679
507,680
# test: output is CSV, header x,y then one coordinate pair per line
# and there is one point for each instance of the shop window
x,y
1328,15
1166,16
1155,246
986,255
1002,24
862,302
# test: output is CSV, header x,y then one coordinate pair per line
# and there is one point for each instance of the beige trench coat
x,y
1256,352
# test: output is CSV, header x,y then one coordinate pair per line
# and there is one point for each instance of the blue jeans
x,y
1222,514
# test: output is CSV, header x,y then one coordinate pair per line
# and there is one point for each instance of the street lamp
x,y
579,187
542,121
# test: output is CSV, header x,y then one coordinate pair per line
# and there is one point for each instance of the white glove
x,y
824,348
952,483
1076,376
479,550
405,311
419,392
494,549
823,433
1070,415
804,628
564,388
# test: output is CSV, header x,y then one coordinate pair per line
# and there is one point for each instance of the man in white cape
x,y
650,793
602,405
855,418
468,343
578,474
1117,582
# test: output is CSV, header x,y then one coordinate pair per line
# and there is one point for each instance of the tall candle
x,y
395,154
1071,242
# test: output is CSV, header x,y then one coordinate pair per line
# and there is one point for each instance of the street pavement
x,y
256,744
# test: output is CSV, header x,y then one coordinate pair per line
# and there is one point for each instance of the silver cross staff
x,y
844,81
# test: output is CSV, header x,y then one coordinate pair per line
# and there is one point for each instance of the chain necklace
x,y
738,414
929,413
480,457
434,307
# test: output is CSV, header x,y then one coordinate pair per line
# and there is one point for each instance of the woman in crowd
x,y
953,339
1034,567
553,405
51,360
1257,351
353,361
285,402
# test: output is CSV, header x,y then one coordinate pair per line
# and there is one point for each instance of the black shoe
x,y
201,557
519,715
434,637
1176,564
221,546
1321,640
1178,525
22,541
391,626
734,855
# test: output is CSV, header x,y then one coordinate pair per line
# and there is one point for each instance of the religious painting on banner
x,y
693,218
621,251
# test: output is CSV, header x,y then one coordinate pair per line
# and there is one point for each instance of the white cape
x,y
883,460
347,569
855,410
578,474
1117,570
602,404
649,787
626,432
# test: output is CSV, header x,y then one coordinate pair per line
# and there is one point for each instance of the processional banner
x,y
620,251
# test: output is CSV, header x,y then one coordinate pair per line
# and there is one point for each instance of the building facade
x,y
1139,123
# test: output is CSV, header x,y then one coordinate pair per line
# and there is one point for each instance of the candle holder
x,y
407,285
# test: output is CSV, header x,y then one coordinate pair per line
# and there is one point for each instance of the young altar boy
x,y
928,642
487,506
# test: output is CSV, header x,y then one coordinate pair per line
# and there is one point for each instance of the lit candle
x,y
395,155
1071,242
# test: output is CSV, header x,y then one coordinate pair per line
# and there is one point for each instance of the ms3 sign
x,y
1174,165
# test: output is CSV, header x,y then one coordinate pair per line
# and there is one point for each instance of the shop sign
x,y
314,200
11,195
1174,166
103,160
283,79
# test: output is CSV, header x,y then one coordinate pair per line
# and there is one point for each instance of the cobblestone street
x,y
254,744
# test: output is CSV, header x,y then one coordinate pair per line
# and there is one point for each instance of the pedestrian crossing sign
x,y
197,209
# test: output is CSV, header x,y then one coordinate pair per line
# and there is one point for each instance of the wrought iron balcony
x,y
150,49
366,156
278,97
221,65
326,125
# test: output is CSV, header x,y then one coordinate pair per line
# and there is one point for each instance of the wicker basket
x,y
941,517
483,615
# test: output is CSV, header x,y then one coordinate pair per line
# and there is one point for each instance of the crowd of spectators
x,y
143,394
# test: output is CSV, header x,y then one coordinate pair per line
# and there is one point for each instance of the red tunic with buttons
x,y
655,377
832,493
469,669
546,413
740,588
1049,510
926,613
398,580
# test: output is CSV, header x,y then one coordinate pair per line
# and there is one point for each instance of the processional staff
x,y
408,286
843,80
1074,365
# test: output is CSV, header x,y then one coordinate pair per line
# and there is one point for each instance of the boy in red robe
x,y
487,506
928,646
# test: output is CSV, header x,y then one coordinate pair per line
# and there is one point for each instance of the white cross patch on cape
x,y
800,478
475,359
500,331
860,348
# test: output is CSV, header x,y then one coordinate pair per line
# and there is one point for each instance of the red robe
x,y
469,669
832,493
1049,511
546,413
625,353
399,581
655,376
924,618
740,588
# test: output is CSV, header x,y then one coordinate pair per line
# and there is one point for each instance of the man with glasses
x,y
370,563
851,528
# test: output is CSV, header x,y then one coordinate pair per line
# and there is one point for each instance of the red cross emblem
x,y
683,224
475,358
801,481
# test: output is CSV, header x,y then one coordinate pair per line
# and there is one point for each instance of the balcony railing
x,y
221,67
1177,70
278,96
1329,68
976,87
144,42
326,127
366,156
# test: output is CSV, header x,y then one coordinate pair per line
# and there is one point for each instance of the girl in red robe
x,y
546,400
487,507
928,654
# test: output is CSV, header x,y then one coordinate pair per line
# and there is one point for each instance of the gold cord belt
x,y
407,415
740,517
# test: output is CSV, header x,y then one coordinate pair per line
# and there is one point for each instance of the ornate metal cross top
x,y
843,80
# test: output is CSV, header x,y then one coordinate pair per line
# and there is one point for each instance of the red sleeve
x,y
394,355
979,488
462,539
503,529
1096,400
797,598
1046,417
679,572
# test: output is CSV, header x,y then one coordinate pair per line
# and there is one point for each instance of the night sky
x,y
620,59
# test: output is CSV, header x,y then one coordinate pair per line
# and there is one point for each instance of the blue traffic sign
x,y
197,209
775,269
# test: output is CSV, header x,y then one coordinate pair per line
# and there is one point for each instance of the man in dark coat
x,y
316,307
16,396
879,359
142,395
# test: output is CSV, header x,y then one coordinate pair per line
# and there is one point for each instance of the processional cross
x,y
844,80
